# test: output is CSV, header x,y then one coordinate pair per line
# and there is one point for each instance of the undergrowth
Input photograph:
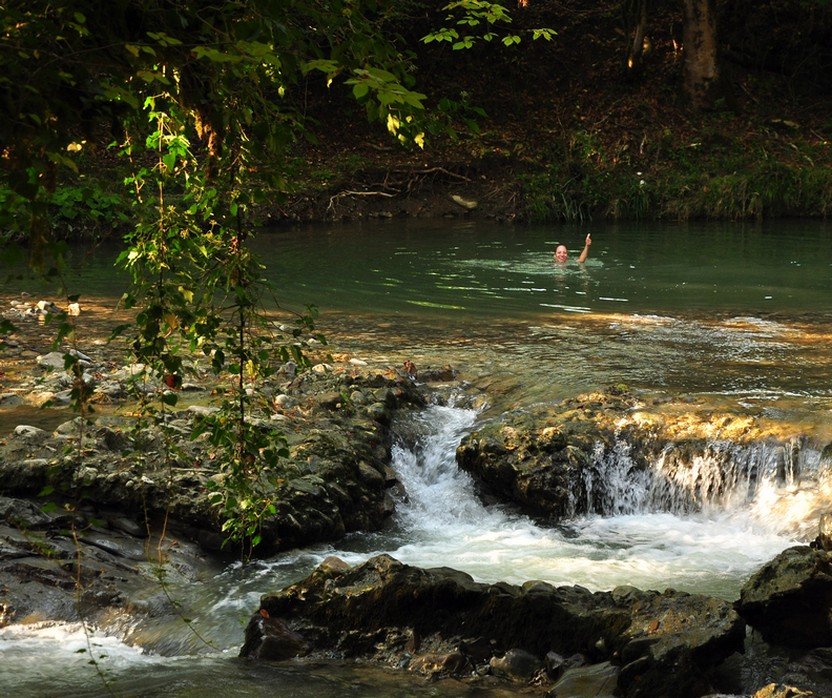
x,y
714,179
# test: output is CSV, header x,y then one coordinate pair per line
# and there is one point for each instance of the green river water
x,y
717,316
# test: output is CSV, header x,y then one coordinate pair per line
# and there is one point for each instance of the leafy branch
x,y
480,20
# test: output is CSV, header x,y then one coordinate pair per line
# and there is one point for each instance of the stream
x,y
709,317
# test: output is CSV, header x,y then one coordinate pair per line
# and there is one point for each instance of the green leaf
x,y
150,77
325,66
164,39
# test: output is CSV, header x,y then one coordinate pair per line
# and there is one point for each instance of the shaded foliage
x,y
201,102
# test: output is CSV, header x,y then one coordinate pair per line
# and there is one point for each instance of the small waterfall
x,y
690,520
438,494
780,485
615,484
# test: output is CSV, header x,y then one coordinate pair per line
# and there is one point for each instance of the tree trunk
x,y
701,70
635,26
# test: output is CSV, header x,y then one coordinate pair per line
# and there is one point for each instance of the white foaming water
x,y
780,489
687,524
71,638
40,657
698,522
438,494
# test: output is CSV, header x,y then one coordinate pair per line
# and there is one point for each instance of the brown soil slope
x,y
568,112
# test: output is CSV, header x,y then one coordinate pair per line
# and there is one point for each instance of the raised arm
x,y
585,252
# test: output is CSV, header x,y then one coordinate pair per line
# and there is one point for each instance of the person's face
x,y
561,253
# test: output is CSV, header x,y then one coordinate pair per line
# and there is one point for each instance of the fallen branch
x,y
432,170
333,199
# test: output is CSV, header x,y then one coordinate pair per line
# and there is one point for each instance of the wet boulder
x,y
442,621
542,458
276,641
533,463
789,600
516,664
608,453
62,565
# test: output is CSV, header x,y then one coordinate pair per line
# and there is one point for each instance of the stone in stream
x,y
516,664
433,620
824,539
54,360
789,599
598,451
10,400
30,433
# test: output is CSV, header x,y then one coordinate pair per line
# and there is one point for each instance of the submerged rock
x,y
441,621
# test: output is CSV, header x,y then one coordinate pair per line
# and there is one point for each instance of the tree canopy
x,y
69,67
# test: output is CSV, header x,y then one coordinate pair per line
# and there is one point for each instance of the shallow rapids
x,y
647,544
439,522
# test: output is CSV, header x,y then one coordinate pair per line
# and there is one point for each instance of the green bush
x,y
727,180
86,209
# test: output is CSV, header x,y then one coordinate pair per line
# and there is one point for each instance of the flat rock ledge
x,y
336,478
440,622
574,457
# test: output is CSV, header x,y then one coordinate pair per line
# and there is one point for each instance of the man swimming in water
x,y
562,254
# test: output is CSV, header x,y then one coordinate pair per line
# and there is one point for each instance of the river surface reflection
x,y
714,309
722,311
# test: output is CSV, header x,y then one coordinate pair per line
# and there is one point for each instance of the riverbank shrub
x,y
87,210
206,108
731,185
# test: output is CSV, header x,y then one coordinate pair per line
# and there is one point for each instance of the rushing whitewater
x,y
695,522
781,488
700,522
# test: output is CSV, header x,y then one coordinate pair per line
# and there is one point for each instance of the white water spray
x,y
699,522
779,488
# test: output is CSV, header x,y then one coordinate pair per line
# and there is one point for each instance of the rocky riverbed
x,y
94,507
92,503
